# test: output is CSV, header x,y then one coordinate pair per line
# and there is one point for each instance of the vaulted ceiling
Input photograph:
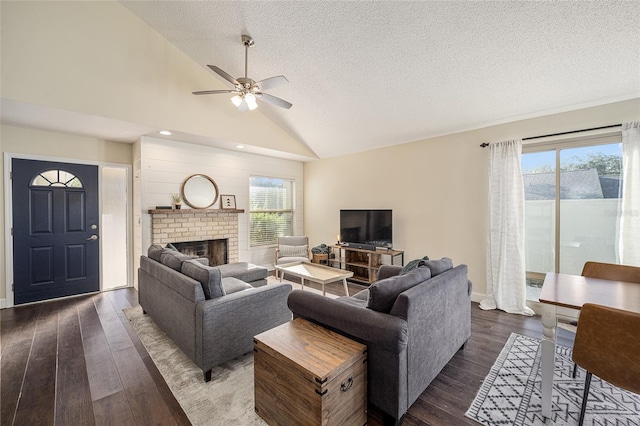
x,y
369,74
362,74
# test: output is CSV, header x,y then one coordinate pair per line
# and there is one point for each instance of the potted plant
x,y
177,200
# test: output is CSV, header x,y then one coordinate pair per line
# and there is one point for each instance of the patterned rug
x,y
510,394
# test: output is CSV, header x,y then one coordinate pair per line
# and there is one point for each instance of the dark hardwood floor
x,y
78,362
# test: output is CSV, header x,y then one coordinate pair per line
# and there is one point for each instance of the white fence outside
x,y
588,232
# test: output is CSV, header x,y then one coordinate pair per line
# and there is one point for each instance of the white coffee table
x,y
313,272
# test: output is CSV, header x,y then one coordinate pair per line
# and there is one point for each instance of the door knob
x,y
92,238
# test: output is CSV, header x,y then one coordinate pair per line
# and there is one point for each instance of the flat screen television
x,y
370,227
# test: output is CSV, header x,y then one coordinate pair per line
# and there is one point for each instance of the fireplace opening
x,y
215,250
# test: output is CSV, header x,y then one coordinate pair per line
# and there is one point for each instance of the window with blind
x,y
270,210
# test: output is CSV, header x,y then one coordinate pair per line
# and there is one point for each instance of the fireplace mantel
x,y
192,211
172,226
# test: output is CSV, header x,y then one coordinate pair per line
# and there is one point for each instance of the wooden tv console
x,y
363,263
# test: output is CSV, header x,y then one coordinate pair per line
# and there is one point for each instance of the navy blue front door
x,y
55,230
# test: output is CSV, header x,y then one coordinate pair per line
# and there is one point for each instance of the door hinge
x,y
10,175
13,287
12,231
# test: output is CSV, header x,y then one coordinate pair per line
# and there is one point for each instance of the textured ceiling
x,y
369,74
364,75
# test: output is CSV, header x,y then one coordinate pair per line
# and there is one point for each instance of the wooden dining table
x,y
563,295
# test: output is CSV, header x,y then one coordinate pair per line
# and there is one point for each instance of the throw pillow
x,y
439,266
173,259
154,252
171,247
209,277
293,251
413,265
383,293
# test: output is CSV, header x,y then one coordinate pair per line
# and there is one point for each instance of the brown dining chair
x,y
612,272
607,344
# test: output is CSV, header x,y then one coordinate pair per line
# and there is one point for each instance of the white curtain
x,y
506,274
629,241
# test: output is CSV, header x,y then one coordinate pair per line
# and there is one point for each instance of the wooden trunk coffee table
x,y
306,375
320,274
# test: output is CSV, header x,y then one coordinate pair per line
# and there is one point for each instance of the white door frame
x,y
7,302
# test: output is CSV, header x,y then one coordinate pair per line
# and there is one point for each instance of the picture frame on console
x,y
228,202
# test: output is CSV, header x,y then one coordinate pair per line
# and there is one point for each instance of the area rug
x,y
226,400
510,394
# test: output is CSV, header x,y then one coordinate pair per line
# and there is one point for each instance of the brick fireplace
x,y
190,225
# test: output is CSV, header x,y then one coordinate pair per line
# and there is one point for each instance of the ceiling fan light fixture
x,y
237,100
250,99
245,102
246,88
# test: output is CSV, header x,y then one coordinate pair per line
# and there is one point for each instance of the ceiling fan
x,y
247,90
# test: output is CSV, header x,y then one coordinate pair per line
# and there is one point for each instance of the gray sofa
x,y
412,324
247,272
212,319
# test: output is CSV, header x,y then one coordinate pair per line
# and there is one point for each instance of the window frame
x,y
57,183
292,210
557,144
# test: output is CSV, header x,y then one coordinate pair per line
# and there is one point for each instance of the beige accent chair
x,y
607,344
292,249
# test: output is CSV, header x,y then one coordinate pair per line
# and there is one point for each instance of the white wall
x,y
165,164
437,187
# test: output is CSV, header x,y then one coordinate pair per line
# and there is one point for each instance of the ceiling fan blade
x,y
212,92
273,100
271,82
224,75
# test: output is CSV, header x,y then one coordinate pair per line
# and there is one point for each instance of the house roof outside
x,y
574,185
611,186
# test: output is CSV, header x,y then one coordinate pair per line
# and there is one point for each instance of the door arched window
x,y
58,178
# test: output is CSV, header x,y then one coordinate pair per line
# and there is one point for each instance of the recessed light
x,y
165,132
240,146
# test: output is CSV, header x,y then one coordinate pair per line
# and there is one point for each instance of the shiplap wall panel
x,y
165,164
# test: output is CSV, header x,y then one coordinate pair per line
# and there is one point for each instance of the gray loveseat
x,y
212,319
412,324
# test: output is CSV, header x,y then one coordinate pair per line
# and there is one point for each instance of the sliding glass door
x,y
539,179
572,205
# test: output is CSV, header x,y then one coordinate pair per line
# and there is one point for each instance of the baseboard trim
x,y
477,297
535,306
3,303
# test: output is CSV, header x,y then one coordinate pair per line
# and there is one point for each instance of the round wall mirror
x,y
199,191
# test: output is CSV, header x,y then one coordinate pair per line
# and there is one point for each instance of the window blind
x,y
270,210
